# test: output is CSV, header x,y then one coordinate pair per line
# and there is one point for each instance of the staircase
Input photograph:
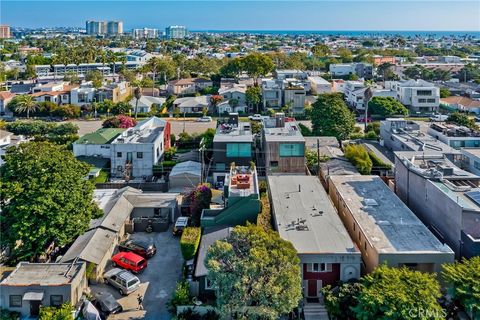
x,y
315,311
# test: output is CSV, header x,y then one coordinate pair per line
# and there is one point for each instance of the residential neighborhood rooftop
x,y
42,274
240,132
304,215
101,136
389,225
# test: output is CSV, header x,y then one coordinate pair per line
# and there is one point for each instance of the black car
x,y
142,248
106,304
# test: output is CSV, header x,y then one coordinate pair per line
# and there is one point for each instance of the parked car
x,y
180,224
129,261
439,118
123,280
256,117
106,304
142,248
363,120
204,119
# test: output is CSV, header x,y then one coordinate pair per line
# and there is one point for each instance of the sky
x,y
381,15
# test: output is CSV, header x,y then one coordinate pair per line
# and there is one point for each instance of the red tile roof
x,y
4,95
464,101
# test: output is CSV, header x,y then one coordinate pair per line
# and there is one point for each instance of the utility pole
x,y
366,99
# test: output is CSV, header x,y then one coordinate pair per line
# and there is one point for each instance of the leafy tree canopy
x,y
398,294
386,106
257,274
45,198
465,281
331,117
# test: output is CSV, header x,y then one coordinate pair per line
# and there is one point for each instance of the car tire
x,y
121,292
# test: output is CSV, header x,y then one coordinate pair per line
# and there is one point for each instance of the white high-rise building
x,y
176,32
104,27
145,33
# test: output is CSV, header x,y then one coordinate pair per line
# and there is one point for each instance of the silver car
x,y
123,280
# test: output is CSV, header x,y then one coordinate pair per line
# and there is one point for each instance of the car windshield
x,y
132,282
141,262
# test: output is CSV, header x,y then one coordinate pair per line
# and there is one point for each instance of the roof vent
x,y
370,202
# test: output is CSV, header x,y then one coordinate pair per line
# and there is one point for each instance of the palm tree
x,y
138,94
112,60
25,103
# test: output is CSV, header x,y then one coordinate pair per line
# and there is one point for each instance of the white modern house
x,y
85,94
134,152
419,96
192,104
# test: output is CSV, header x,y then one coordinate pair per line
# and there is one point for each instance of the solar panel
x,y
474,196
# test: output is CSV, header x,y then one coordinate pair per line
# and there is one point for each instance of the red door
x,y
312,288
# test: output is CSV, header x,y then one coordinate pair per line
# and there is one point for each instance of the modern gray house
x,y
445,197
32,285
233,142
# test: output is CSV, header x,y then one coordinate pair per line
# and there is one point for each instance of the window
x,y
139,155
422,100
476,164
119,154
317,267
240,150
291,150
424,92
354,226
365,246
208,284
220,166
431,100
274,164
15,301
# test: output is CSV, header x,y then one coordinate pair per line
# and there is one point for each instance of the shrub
x,y
262,186
358,156
169,153
120,121
6,314
181,296
189,242
264,218
199,199
52,313
371,135
377,162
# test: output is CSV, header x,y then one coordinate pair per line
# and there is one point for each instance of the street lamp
x,y
366,99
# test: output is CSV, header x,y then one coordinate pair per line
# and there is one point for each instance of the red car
x,y
362,119
129,261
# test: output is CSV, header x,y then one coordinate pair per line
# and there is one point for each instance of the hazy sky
x,y
430,15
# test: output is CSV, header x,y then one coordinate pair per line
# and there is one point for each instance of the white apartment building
x,y
294,94
361,70
419,96
176,32
85,94
145,33
138,149
271,94
349,89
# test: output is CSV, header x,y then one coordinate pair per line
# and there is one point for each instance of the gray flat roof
x,y
42,274
289,133
209,237
324,233
388,224
242,133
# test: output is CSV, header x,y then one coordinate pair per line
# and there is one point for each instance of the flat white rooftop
x,y
305,216
389,225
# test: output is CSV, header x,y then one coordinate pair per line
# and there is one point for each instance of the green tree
x,y
253,97
386,106
36,208
256,273
465,283
398,294
96,77
25,104
320,50
340,300
257,65
52,313
462,119
232,68
444,92
331,117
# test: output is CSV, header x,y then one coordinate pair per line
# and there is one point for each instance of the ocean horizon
x,y
358,33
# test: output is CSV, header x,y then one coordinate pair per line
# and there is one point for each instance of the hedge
x,y
189,242
264,218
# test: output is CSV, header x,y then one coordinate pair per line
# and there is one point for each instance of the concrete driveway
x,y
159,280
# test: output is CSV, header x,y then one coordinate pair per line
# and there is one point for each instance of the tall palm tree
x,y
138,94
112,59
25,103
